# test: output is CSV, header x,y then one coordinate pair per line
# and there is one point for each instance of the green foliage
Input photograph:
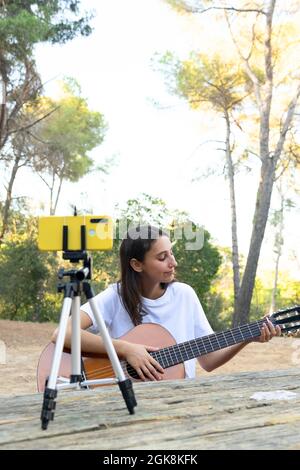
x,y
67,135
146,209
25,281
215,310
196,267
201,79
65,131
288,294
23,23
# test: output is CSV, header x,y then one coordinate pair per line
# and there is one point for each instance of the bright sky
x,y
158,151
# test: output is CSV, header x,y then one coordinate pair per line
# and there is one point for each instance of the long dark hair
x,y
136,244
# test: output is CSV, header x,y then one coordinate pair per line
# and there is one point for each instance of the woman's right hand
x,y
145,365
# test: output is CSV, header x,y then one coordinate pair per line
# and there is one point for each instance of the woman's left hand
x,y
267,332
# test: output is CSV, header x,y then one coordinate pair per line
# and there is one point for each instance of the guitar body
x,y
150,334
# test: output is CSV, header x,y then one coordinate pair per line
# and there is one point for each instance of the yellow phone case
x,y
99,232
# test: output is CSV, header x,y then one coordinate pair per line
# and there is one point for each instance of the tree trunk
x,y
263,202
274,290
2,112
234,237
58,191
9,198
278,250
51,193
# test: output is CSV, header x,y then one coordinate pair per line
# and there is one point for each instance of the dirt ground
x,y
21,344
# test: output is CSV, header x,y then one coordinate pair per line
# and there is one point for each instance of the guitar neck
x,y
181,352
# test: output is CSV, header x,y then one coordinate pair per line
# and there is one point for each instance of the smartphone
x,y
55,233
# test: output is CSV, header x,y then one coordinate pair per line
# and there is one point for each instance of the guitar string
x,y
206,344
196,351
130,369
161,355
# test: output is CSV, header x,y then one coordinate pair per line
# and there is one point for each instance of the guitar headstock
x,y
288,319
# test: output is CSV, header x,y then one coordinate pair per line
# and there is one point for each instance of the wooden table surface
x,y
216,412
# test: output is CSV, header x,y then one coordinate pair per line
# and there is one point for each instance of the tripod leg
x,y
50,392
125,385
76,340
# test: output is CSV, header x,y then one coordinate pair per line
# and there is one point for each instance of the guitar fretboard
x,y
178,353
181,352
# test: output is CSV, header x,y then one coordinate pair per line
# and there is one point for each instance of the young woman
x,y
148,293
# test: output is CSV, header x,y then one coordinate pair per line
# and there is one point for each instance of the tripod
x,y
78,283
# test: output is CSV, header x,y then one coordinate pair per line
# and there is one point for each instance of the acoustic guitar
x,y
171,355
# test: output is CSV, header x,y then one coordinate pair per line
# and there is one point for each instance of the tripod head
x,y
85,272
74,256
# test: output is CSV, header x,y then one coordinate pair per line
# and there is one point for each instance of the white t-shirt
x,y
178,310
